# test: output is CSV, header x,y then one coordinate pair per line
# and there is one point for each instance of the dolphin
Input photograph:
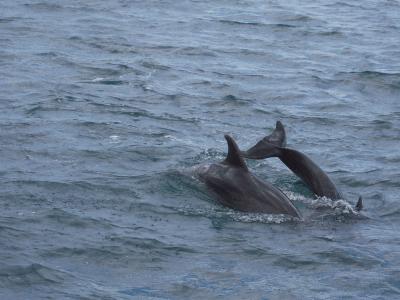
x,y
274,145
237,188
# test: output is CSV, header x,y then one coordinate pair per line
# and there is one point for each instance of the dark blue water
x,y
106,105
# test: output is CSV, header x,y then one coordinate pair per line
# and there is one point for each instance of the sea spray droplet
x,y
115,139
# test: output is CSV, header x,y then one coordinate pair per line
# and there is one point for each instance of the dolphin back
x,y
311,174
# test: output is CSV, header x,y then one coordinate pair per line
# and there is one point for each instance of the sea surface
x,y
107,106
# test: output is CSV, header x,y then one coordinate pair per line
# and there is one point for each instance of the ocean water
x,y
106,106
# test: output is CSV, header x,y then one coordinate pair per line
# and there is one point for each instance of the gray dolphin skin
x,y
312,175
235,187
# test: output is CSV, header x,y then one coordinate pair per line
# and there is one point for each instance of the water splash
x,y
229,214
338,207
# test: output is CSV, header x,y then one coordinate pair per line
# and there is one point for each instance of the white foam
x,y
339,207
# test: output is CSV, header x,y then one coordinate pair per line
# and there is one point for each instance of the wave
x,y
5,20
350,256
379,79
31,274
44,6
117,248
106,81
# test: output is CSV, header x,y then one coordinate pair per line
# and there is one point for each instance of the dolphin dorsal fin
x,y
359,205
234,157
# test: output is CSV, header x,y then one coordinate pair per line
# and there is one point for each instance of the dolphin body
x,y
235,186
274,145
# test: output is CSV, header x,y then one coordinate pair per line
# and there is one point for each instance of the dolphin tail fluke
x,y
278,136
269,146
359,206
